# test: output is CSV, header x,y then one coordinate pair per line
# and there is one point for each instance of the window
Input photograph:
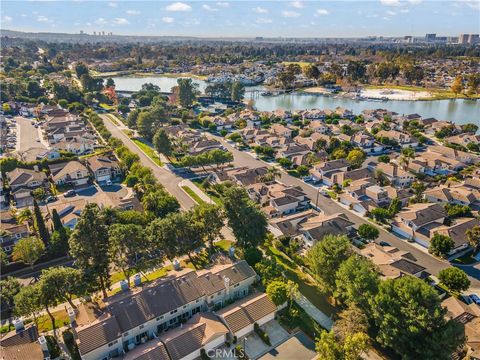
x,y
184,306
141,327
211,297
219,293
173,321
236,285
125,334
159,318
197,301
173,311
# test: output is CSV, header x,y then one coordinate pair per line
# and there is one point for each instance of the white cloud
x,y
168,19
390,2
290,14
7,19
120,21
297,4
415,2
264,21
323,12
44,19
260,10
101,21
112,4
391,13
223,4
209,8
178,6
133,12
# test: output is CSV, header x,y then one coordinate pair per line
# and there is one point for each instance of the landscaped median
x,y
194,192
148,150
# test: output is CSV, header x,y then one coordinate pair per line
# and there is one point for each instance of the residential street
x,y
329,206
28,136
164,176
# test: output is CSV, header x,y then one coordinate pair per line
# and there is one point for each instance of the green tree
x,y
132,118
162,143
329,348
27,302
368,232
3,258
277,291
39,224
311,72
269,270
28,250
473,236
146,124
127,247
159,203
411,321
89,247
81,69
384,158
211,218
238,91
418,188
441,245
356,282
325,258
454,279
9,287
64,283
187,91
247,221
350,321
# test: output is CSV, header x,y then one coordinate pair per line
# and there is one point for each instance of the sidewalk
x,y
196,190
316,314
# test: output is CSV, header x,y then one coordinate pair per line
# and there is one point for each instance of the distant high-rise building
x,y
473,38
430,37
94,33
463,39
103,33
81,32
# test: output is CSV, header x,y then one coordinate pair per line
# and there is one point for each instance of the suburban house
x,y
292,150
241,316
463,139
77,145
469,317
26,178
204,145
324,171
278,199
457,232
419,221
316,227
461,156
456,194
155,312
392,262
312,140
104,168
11,232
281,130
23,343
289,225
403,139
71,173
394,173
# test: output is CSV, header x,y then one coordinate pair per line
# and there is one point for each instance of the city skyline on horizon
x,y
246,19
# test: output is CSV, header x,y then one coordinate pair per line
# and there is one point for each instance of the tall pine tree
x,y
39,224
89,247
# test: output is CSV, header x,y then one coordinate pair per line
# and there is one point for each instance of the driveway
x,y
255,347
299,346
329,206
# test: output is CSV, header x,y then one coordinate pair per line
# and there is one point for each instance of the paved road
x,y
27,135
329,206
164,176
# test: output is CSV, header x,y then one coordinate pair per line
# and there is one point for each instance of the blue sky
x,y
246,18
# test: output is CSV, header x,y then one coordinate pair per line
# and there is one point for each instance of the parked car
x,y
50,199
475,298
70,193
383,243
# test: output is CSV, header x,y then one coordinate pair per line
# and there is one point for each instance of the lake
x,y
459,111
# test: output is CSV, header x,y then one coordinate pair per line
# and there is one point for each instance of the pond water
x,y
458,110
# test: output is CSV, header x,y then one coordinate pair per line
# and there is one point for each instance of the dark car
x,y
70,193
384,243
475,298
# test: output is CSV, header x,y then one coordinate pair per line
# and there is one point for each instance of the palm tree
x,y
312,158
271,174
25,215
407,155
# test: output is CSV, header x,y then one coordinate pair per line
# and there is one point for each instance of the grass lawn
x,y
224,244
302,64
113,118
45,323
303,321
217,199
146,277
107,107
149,151
193,194
305,285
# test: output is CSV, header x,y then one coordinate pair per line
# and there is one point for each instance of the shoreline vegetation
x,y
366,92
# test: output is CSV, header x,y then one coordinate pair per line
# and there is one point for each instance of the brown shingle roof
x,y
247,312
97,335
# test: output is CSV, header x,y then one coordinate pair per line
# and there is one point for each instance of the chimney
x,y
43,343
176,265
226,282
18,324
71,315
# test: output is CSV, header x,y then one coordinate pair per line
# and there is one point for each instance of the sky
x,y
241,18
